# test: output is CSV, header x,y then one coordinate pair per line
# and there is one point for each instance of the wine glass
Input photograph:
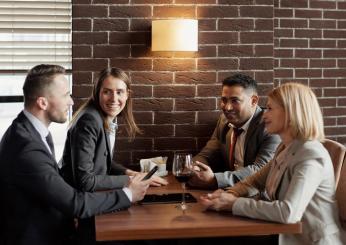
x,y
182,170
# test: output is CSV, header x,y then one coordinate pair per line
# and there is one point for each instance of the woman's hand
x,y
218,200
130,172
154,180
157,181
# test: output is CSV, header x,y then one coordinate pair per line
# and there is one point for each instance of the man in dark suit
x,y
239,145
38,206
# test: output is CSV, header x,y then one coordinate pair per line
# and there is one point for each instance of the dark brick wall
x,y
176,94
310,47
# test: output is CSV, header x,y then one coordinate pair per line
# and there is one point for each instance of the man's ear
x,y
254,100
42,103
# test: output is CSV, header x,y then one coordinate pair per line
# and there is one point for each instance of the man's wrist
x,y
128,193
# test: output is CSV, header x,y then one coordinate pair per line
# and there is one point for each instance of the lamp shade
x,y
174,35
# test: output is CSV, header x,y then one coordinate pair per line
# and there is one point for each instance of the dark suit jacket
x,y
259,149
37,205
87,159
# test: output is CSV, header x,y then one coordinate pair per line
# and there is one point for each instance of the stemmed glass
x,y
182,170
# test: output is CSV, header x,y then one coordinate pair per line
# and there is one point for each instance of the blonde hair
x,y
302,112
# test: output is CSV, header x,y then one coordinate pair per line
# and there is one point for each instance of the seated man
x,y
37,205
239,145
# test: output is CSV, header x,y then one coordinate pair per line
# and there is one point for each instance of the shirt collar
x,y
245,126
113,126
38,125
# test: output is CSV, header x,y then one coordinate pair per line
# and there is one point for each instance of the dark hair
x,y
38,81
94,99
242,80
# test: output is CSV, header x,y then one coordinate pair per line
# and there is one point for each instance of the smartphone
x,y
150,173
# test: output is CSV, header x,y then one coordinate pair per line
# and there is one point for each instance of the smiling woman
x,y
88,163
113,97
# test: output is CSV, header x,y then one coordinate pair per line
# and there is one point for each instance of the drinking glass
x,y
182,170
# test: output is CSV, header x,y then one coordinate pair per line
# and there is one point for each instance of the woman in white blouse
x,y
298,184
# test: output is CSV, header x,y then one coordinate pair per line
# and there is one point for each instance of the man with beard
x,y
239,146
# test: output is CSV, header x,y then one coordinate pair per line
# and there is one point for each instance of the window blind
x,y
34,32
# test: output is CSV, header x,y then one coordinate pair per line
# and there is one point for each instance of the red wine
x,y
183,177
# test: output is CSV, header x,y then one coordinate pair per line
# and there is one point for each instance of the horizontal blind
x,y
34,32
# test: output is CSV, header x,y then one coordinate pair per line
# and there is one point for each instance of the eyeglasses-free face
x,y
238,104
113,96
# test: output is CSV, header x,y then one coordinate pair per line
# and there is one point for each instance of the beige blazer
x,y
306,193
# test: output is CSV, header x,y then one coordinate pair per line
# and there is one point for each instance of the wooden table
x,y
160,221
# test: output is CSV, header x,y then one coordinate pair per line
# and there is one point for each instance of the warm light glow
x,y
174,35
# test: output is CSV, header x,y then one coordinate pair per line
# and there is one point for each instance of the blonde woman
x,y
299,182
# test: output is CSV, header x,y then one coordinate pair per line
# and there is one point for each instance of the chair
x,y
341,195
337,153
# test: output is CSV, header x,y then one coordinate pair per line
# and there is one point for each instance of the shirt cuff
x,y
222,180
128,193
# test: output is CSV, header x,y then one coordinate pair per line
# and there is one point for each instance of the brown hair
x,y
127,114
38,81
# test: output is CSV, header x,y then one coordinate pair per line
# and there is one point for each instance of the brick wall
x,y
176,94
310,47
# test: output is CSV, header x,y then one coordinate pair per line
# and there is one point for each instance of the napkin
x,y
149,163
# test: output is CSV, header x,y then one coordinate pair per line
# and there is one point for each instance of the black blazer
x,y
87,160
37,205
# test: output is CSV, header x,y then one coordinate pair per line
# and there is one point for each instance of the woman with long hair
x,y
88,163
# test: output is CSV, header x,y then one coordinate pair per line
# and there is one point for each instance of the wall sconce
x,y
174,35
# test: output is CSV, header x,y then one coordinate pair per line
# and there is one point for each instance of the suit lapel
x,y
251,129
275,175
288,159
108,148
228,145
36,136
225,136
105,143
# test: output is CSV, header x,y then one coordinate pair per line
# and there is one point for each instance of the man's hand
x,y
203,176
218,200
138,187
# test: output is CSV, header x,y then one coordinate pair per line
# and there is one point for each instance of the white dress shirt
x,y
113,126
